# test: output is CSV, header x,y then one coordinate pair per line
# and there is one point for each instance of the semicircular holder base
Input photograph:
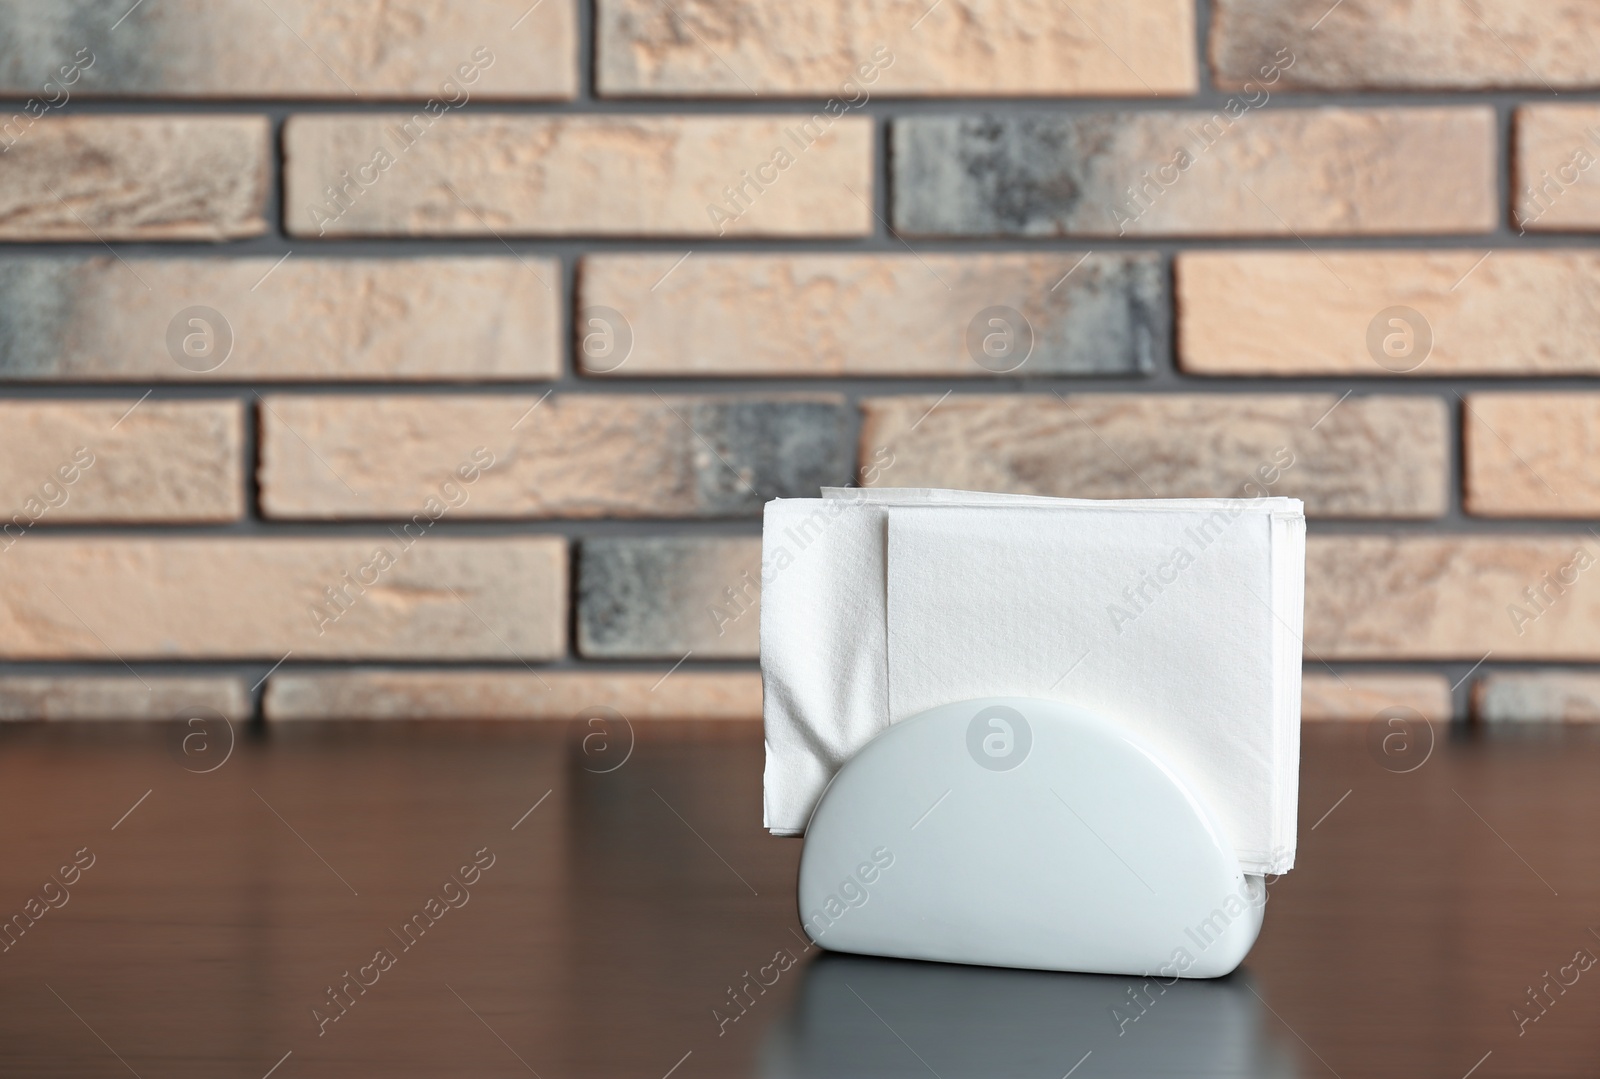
x,y
1024,833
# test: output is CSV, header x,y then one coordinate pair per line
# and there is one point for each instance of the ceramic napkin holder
x,y
1026,833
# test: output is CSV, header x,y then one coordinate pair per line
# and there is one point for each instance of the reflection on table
x,y
856,1015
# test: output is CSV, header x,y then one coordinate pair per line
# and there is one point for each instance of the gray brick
x,y
119,697
515,693
1277,172
891,314
1537,697
660,597
102,318
571,455
288,48
1371,45
1378,456
776,449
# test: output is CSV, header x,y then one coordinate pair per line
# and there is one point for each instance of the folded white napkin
x,y
825,673
1180,618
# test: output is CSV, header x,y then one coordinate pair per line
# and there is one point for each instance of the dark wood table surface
x,y
601,909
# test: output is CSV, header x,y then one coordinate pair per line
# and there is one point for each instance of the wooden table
x,y
396,899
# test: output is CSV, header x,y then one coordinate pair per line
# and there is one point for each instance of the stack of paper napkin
x,y
1178,618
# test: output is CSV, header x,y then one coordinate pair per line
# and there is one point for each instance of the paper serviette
x,y
824,649
1179,618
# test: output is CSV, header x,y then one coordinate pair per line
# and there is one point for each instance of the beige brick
x,y
1532,454
487,175
1365,457
291,48
567,455
264,598
1374,44
501,694
1537,697
1452,597
119,460
94,178
1297,313
275,318
894,314
902,48
1268,172
1555,184
121,697
1357,698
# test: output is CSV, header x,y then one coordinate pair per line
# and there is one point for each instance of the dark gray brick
x,y
764,449
660,597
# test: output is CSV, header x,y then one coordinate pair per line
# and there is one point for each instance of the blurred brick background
x,y
435,359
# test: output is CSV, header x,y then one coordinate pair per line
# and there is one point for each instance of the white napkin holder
x,y
1025,833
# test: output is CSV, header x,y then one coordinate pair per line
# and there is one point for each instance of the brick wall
x,y
437,361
